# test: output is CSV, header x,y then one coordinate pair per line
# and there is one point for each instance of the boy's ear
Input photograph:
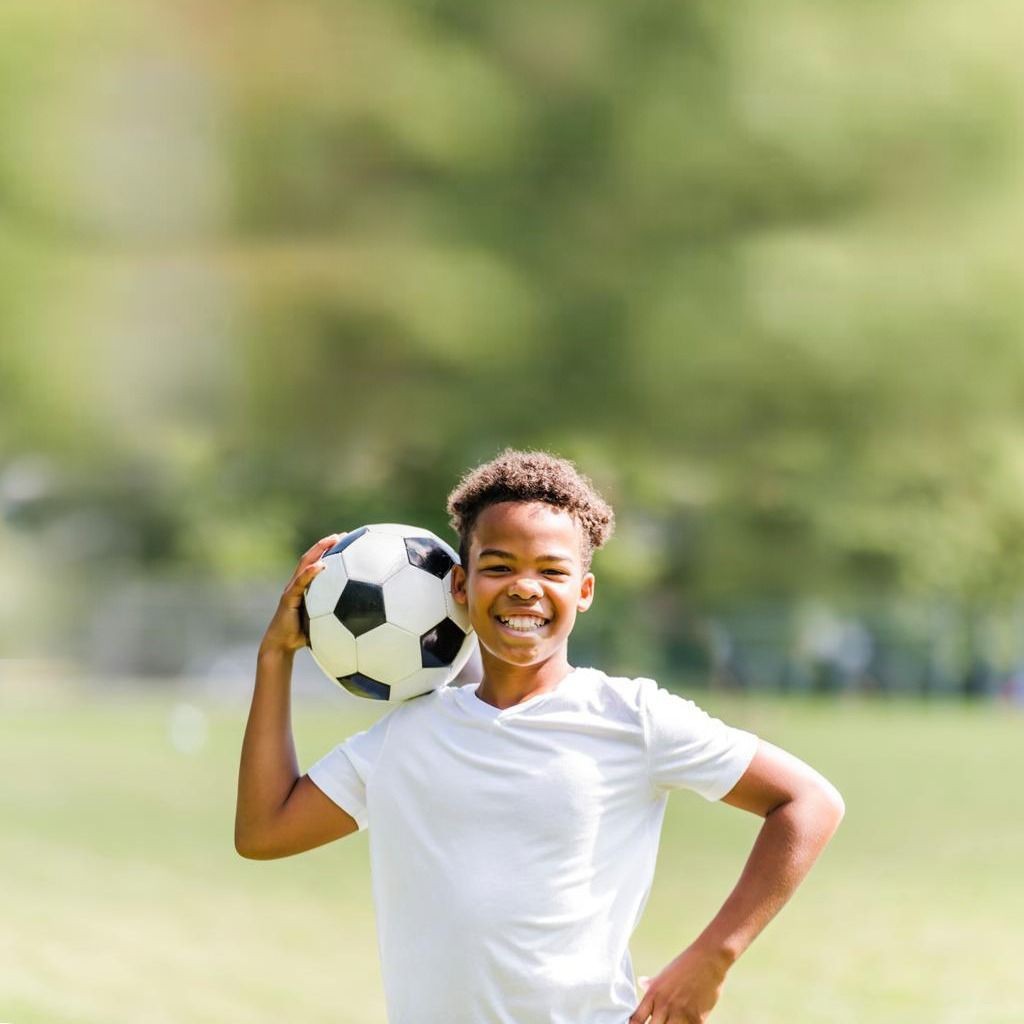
x,y
586,592
459,584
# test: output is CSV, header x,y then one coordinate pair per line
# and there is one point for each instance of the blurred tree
x,y
275,269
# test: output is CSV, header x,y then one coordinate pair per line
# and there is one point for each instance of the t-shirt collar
x,y
479,708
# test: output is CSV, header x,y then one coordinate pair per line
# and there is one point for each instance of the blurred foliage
x,y
272,269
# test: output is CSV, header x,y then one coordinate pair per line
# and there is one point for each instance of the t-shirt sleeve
x,y
344,772
688,749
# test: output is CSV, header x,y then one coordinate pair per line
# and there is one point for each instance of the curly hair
x,y
531,476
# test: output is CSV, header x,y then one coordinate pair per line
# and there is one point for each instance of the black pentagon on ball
x,y
360,607
439,646
364,686
431,555
349,538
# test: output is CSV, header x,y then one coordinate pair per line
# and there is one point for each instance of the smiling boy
x,y
514,824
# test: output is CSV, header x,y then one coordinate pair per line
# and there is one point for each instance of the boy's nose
x,y
524,587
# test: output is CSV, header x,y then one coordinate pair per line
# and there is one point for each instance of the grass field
x,y
123,901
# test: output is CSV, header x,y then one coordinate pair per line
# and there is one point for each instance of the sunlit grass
x,y
124,900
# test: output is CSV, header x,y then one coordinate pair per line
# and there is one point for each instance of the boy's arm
x,y
801,811
278,813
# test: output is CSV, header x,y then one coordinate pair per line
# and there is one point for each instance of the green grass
x,y
123,899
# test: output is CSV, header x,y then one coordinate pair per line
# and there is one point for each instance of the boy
x,y
515,823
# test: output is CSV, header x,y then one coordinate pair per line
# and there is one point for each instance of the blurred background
x,y
271,270
274,269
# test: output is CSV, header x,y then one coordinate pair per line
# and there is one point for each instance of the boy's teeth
x,y
523,622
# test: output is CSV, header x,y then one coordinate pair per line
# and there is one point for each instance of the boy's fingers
x,y
322,545
310,564
302,578
642,1013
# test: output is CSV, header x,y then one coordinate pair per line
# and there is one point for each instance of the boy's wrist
x,y
722,953
270,652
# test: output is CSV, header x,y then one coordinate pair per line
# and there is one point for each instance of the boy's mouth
x,y
522,623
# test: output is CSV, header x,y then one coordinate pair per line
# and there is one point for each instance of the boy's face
x,y
524,581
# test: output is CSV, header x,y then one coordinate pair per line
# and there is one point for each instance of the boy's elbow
x,y
248,847
244,849
833,805
255,853
840,806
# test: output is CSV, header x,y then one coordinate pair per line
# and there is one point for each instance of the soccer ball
x,y
380,617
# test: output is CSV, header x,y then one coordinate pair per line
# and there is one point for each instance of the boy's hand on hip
x,y
685,992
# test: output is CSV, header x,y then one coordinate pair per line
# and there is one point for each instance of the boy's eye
x,y
505,568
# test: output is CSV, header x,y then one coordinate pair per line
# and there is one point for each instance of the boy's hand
x,y
285,633
685,992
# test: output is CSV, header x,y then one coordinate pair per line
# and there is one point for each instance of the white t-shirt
x,y
512,851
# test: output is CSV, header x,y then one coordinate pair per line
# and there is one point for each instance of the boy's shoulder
x,y
627,688
610,696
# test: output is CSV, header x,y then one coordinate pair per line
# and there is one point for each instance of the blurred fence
x,y
154,629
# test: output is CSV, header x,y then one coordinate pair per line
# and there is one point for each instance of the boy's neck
x,y
504,685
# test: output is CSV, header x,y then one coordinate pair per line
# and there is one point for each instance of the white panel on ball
x,y
323,593
467,648
399,530
414,600
422,680
387,653
333,645
458,613
374,557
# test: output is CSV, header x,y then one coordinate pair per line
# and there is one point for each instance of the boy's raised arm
x,y
279,813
